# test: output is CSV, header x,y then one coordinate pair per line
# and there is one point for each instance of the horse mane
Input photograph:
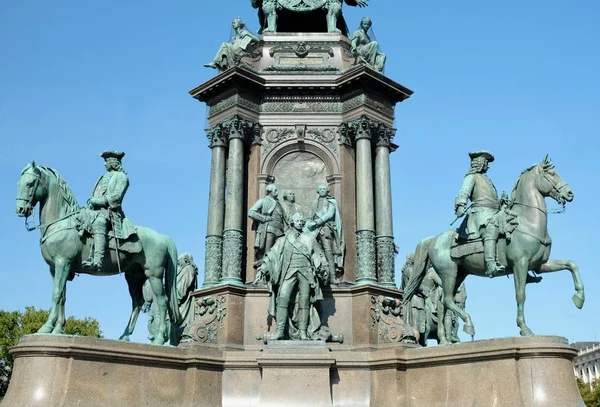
x,y
514,190
67,193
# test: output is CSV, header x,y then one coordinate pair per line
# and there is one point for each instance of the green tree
x,y
589,394
15,324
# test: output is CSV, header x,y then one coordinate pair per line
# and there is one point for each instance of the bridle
x,y
555,193
29,200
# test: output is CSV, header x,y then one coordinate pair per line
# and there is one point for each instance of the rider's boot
x,y
303,313
94,262
493,266
281,316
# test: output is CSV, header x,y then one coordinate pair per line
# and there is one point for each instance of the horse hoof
x,y
469,330
45,329
124,338
578,300
58,331
526,332
158,342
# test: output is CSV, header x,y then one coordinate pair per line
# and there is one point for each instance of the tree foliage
x,y
16,324
589,394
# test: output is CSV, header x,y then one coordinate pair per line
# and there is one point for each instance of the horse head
x,y
550,184
30,190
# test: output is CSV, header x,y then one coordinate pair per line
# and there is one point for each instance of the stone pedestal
x,y
295,373
65,371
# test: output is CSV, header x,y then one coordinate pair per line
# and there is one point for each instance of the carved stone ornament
x,y
238,127
232,253
386,321
209,314
216,136
212,259
385,259
301,49
365,253
232,101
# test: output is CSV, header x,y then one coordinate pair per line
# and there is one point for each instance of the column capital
x,y
216,136
237,127
366,128
384,136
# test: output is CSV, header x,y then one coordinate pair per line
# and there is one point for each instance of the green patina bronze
x,y
300,15
366,50
231,53
70,234
423,310
296,269
327,224
524,242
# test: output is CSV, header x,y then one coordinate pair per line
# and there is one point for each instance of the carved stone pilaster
x,y
213,254
345,135
232,256
209,313
257,134
365,253
385,261
387,322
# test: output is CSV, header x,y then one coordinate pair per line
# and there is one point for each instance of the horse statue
x,y
63,249
527,249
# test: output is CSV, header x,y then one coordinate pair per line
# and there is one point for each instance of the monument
x,y
299,303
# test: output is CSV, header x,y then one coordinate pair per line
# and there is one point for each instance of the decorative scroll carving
x,y
235,100
326,136
387,322
208,318
301,49
302,104
300,67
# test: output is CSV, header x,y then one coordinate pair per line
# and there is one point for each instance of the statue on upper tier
x,y
365,49
231,53
318,15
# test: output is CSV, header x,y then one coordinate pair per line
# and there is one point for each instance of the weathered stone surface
x,y
73,371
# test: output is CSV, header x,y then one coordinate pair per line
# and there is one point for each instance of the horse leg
x,y
135,282
61,271
161,299
558,265
59,327
520,275
449,286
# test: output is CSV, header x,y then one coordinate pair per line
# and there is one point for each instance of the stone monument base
x,y
53,371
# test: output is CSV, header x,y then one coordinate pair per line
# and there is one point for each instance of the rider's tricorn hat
x,y
482,153
112,154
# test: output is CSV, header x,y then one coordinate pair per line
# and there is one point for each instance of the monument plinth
x,y
299,304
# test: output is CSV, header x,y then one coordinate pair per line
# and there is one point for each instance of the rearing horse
x,y
528,248
63,250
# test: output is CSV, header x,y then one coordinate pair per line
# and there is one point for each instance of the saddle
x,y
131,244
506,222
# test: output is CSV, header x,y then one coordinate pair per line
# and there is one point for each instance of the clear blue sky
x,y
520,79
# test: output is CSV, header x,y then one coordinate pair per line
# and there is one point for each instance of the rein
x,y
45,225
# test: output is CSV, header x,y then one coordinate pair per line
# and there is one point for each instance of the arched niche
x,y
300,167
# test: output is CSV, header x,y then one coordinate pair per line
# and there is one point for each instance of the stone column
x,y
365,211
233,238
213,251
383,209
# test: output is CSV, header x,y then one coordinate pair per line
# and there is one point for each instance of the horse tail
x,y
421,264
171,283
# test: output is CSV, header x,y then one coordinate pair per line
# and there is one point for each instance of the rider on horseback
x,y
105,204
485,205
